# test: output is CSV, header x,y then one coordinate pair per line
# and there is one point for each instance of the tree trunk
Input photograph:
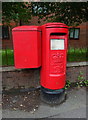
x,y
20,23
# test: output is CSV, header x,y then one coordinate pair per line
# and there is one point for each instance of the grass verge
x,y
78,55
7,57
73,55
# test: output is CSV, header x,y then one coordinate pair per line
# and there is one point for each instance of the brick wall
x,y
8,43
81,43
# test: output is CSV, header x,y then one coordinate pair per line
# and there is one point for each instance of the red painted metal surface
x,y
53,71
27,46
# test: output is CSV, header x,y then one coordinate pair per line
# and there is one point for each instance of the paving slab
x,y
73,107
75,113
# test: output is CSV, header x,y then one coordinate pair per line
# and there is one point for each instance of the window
x,y
74,33
5,32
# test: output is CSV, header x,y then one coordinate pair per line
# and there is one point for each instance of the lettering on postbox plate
x,y
57,56
56,62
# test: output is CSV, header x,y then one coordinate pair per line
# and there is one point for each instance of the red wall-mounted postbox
x,y
54,48
27,46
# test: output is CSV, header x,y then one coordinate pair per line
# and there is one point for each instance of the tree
x,y
16,11
71,13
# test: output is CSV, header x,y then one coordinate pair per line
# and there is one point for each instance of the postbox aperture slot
x,y
57,44
57,34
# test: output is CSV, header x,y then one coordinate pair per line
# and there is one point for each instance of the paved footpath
x,y
73,107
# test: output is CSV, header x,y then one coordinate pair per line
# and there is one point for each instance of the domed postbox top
x,y
55,24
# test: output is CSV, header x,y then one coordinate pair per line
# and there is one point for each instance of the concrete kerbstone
x,y
69,64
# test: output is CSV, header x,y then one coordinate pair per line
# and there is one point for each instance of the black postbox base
x,y
53,97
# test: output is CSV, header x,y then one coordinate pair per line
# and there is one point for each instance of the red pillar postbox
x,y
28,54
54,48
27,46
